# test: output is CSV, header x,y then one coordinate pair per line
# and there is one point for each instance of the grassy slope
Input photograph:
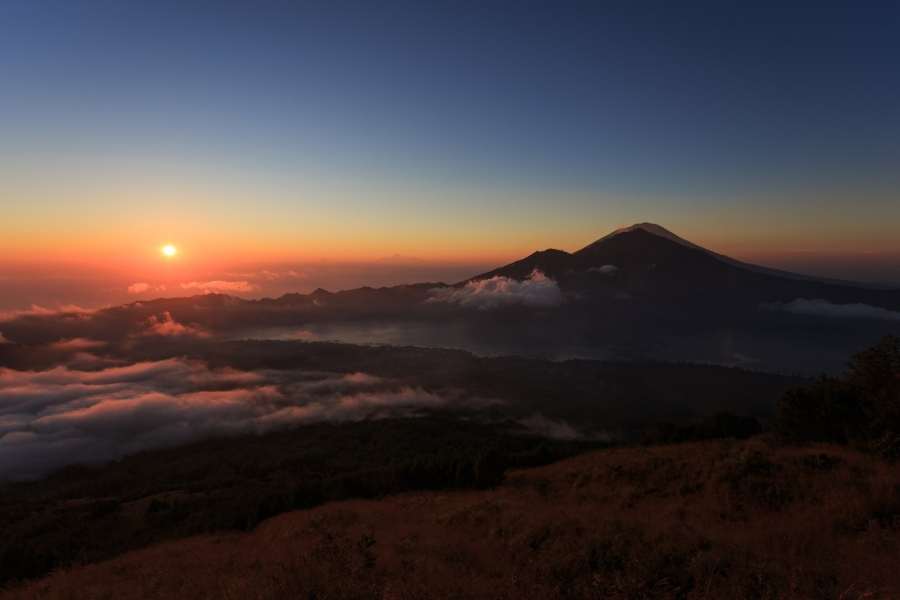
x,y
706,520
84,514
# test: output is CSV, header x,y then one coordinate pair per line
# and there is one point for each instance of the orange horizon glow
x,y
210,249
339,231
120,222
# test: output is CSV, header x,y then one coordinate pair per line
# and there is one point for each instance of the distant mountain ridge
x,y
648,259
554,259
638,293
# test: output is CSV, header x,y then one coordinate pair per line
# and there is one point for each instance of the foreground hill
x,y
706,520
86,514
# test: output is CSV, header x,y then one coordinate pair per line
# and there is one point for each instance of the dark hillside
x,y
87,514
701,521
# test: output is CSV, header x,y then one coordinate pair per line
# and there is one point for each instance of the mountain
x,y
639,293
648,261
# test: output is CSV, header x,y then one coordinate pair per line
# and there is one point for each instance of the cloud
x,y
87,361
743,359
276,275
301,334
558,429
268,275
165,325
62,415
138,288
356,407
824,308
219,286
77,344
605,270
142,287
41,311
537,290
550,428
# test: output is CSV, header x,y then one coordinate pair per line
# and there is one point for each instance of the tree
x,y
875,373
863,405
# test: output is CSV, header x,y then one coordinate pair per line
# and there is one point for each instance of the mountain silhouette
x,y
648,261
638,293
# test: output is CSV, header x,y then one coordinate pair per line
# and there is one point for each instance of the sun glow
x,y
169,250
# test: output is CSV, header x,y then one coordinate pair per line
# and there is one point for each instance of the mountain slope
x,y
648,260
551,262
660,231
694,521
639,293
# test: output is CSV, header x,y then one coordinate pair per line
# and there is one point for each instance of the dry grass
x,y
711,520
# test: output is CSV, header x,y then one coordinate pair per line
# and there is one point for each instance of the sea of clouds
x,y
62,415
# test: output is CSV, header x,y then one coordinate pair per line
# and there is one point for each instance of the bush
x,y
875,375
718,426
828,410
862,406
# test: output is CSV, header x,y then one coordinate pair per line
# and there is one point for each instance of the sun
x,y
169,250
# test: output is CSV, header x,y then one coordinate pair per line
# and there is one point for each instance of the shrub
x,y
828,410
721,425
861,406
875,375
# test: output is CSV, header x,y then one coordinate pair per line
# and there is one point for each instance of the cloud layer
x,y
605,270
64,415
550,428
143,287
824,308
42,311
219,286
537,290
164,325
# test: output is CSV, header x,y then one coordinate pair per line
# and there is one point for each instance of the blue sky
x,y
480,129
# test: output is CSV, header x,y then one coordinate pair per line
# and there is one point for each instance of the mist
x,y
50,286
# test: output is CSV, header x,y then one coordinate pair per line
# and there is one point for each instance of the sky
x,y
284,136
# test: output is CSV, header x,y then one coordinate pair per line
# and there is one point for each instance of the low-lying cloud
x,y
558,429
537,290
824,308
605,270
77,344
166,326
219,286
269,275
138,288
143,287
41,311
553,429
64,415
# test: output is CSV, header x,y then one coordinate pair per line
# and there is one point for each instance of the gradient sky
x,y
458,132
